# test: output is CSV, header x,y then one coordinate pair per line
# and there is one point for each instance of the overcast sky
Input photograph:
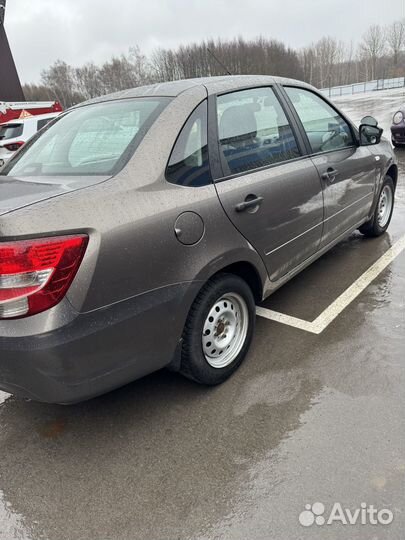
x,y
41,31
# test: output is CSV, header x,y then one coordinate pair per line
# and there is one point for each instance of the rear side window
x,y
42,123
11,131
91,140
325,128
188,163
253,130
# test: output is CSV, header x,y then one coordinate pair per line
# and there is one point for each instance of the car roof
x,y
213,85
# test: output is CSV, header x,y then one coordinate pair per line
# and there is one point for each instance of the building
x,y
10,86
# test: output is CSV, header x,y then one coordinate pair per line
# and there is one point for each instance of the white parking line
x,y
335,309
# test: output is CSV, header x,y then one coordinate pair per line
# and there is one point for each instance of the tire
x,y
380,221
224,311
396,145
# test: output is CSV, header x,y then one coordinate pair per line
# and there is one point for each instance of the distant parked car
x,y
398,128
16,133
139,229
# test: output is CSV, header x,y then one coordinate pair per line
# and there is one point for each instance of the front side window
x,y
253,130
91,140
188,163
325,128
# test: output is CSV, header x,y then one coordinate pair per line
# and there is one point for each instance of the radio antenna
x,y
219,61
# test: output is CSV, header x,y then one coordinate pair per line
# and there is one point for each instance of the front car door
x,y
270,191
347,171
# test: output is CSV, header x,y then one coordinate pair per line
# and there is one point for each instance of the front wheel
x,y
219,330
378,224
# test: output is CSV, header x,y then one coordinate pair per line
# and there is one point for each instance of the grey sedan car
x,y
139,229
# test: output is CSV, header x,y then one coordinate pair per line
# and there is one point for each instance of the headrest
x,y
237,124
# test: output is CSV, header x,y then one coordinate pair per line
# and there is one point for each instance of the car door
x,y
347,171
270,191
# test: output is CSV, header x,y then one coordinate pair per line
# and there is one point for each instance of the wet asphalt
x,y
308,418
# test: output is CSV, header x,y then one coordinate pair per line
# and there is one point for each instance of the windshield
x,y
10,131
91,140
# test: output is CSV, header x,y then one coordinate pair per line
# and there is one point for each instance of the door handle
x,y
250,202
330,174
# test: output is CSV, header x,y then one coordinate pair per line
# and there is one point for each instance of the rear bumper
x,y
97,351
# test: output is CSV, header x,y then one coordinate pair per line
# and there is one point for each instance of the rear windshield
x,y
10,131
95,139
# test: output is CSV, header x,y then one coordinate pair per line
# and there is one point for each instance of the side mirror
x,y
369,134
369,121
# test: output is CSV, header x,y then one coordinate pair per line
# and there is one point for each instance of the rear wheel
x,y
378,224
219,330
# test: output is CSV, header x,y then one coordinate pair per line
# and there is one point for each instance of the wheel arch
x,y
248,272
255,276
392,172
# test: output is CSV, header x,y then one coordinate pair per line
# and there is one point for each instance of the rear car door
x,y
347,171
270,191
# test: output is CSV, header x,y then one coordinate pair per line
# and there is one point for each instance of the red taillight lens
x,y
36,274
12,147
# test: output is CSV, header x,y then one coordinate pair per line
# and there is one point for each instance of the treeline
x,y
328,62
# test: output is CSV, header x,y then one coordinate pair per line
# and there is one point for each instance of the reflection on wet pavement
x,y
12,524
307,418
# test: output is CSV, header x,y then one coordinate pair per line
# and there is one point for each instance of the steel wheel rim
x,y
225,330
384,206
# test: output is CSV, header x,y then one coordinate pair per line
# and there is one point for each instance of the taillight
x,y
36,274
12,147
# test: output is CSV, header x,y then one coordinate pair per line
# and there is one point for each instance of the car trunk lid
x,y
16,193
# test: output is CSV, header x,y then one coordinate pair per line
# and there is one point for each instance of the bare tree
x,y
37,92
373,47
322,62
308,60
218,57
396,39
348,65
142,73
328,62
60,79
87,80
